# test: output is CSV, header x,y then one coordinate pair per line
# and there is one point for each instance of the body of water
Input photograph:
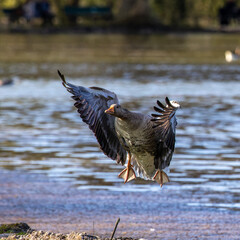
x,y
41,133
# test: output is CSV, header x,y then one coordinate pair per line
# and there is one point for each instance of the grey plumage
x,y
148,140
91,104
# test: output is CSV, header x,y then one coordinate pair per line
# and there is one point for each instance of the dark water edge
x,y
115,28
49,205
112,28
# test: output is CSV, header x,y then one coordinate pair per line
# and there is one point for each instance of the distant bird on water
x,y
146,141
5,82
231,56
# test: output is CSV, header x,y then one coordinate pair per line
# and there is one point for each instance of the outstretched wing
x,y
91,104
165,124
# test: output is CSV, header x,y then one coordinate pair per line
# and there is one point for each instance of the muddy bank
x,y
41,235
22,231
58,207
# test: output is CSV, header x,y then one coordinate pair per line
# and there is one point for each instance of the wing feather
x,y
91,104
164,125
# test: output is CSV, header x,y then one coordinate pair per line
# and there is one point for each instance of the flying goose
x,y
147,142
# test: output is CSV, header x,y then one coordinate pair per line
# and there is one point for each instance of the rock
x,y
14,228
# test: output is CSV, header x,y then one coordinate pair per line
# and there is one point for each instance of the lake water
x,y
41,133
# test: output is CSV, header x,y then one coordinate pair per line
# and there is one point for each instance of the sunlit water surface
x,y
41,132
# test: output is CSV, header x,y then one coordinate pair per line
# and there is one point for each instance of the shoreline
x,y
24,232
55,206
114,30
43,235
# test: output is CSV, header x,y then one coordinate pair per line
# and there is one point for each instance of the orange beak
x,y
110,110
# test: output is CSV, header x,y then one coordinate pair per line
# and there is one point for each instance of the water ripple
x,y
42,133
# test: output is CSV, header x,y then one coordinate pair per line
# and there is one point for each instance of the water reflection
x,y
42,133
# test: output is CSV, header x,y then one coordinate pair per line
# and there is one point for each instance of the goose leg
x,y
161,177
128,173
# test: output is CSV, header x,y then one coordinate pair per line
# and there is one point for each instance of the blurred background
x,y
154,14
52,173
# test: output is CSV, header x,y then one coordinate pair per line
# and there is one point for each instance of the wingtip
x,y
160,110
60,74
168,102
160,105
62,78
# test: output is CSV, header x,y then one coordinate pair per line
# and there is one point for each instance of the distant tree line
x,y
176,13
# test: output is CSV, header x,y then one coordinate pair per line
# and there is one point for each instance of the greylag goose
x,y
147,142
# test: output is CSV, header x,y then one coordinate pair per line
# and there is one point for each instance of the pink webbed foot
x,y
161,177
127,174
